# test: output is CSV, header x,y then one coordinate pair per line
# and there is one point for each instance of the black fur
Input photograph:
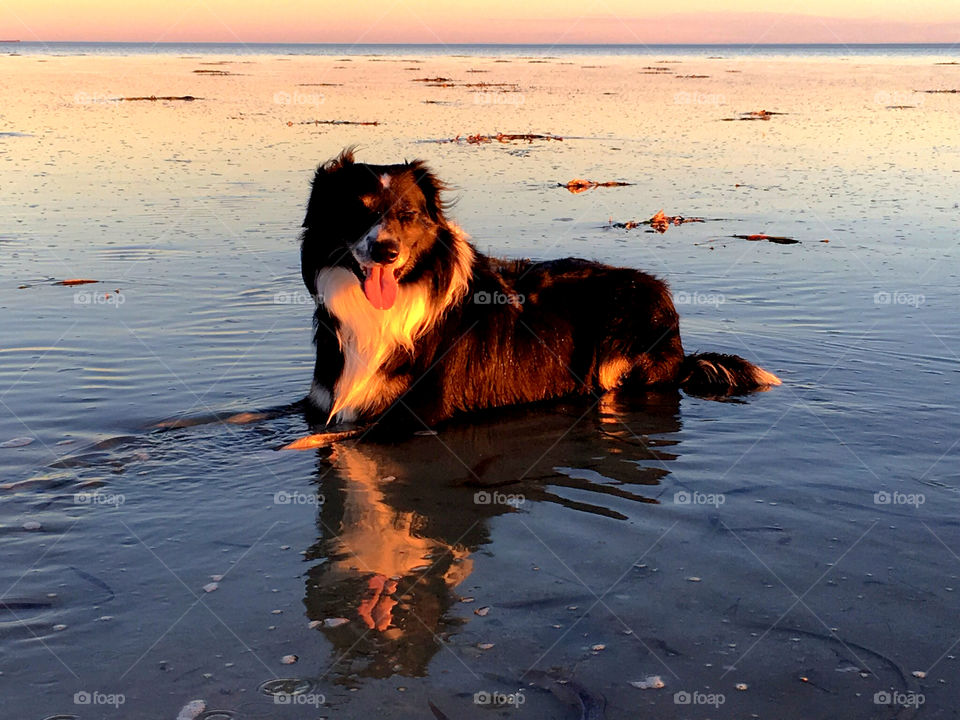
x,y
522,332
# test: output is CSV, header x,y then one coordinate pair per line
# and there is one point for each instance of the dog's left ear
x,y
431,187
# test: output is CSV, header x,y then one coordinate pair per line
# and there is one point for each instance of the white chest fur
x,y
368,337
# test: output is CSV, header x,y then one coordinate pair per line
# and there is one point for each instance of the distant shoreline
x,y
737,50
493,45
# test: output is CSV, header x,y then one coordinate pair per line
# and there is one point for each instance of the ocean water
x,y
789,554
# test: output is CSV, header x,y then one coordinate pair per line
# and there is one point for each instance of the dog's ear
x,y
323,181
431,187
324,200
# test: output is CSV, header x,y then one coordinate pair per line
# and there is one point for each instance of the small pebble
x,y
16,442
335,622
58,628
693,579
741,686
482,611
289,659
466,599
919,674
598,647
32,525
484,646
210,587
653,682
314,624
276,612
191,710
284,547
216,578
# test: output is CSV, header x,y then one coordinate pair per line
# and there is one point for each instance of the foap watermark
x,y
498,298
685,697
83,97
499,699
699,98
903,699
282,497
684,497
99,298
296,97
99,498
303,699
898,298
96,697
898,498
298,297
699,298
498,98
483,497
897,98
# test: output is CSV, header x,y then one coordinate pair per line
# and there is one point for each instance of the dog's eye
x,y
407,216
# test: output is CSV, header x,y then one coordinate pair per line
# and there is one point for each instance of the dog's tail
x,y
716,373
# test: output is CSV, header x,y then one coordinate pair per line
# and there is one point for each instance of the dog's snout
x,y
384,251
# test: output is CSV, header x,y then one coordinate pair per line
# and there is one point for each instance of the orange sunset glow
x,y
496,21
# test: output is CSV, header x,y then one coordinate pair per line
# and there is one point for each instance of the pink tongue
x,y
380,287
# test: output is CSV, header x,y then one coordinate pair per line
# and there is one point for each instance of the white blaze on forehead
x,y
385,180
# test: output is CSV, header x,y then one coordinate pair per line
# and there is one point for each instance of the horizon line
x,y
493,44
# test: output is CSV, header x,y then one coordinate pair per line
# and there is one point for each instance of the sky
x,y
493,21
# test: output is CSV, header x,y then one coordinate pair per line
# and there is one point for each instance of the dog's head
x,y
376,220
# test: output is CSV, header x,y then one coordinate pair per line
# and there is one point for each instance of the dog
x,y
413,322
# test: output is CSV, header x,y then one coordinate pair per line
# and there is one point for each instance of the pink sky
x,y
499,21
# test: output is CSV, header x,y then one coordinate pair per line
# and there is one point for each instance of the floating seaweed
x,y
500,137
155,98
333,122
579,185
659,222
756,115
779,239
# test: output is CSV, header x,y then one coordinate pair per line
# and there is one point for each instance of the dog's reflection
x,y
399,522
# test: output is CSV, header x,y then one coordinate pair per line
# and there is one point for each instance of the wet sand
x,y
788,555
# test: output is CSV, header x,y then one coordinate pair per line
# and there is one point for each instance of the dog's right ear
x,y
322,181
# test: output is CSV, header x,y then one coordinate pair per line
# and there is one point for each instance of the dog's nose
x,y
384,251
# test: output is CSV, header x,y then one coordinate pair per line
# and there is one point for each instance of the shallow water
x,y
710,543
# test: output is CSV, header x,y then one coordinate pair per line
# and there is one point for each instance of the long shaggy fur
x,y
463,331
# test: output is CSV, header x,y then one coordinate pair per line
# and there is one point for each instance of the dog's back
x,y
413,322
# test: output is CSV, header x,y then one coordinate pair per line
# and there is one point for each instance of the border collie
x,y
412,320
